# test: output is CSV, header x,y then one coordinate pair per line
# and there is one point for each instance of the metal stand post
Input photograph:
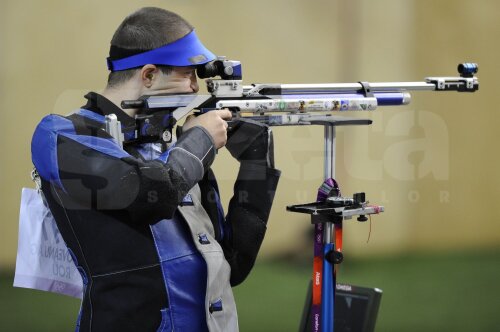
x,y
329,278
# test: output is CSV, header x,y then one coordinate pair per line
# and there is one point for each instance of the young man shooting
x,y
144,223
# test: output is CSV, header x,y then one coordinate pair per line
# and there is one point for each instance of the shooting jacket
x,y
145,227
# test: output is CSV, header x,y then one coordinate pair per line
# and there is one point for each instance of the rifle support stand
x,y
330,215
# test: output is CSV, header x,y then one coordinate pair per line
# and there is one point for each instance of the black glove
x,y
251,141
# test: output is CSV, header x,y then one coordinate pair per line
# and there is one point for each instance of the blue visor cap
x,y
187,51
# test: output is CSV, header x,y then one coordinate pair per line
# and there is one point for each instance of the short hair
x,y
146,29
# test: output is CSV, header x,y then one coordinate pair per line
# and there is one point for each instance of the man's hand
x,y
214,122
251,141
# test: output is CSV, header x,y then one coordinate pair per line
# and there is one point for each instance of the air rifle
x,y
276,104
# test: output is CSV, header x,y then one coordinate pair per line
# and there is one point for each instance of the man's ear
x,y
148,74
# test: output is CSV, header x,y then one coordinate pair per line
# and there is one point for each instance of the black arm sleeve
x,y
247,216
145,190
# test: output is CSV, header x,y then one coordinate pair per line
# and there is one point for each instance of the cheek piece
x,y
187,51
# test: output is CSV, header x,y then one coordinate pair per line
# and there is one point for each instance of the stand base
x,y
356,309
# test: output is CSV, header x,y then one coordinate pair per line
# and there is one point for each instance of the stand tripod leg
x,y
328,292
305,321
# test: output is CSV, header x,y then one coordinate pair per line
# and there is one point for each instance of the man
x,y
145,226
